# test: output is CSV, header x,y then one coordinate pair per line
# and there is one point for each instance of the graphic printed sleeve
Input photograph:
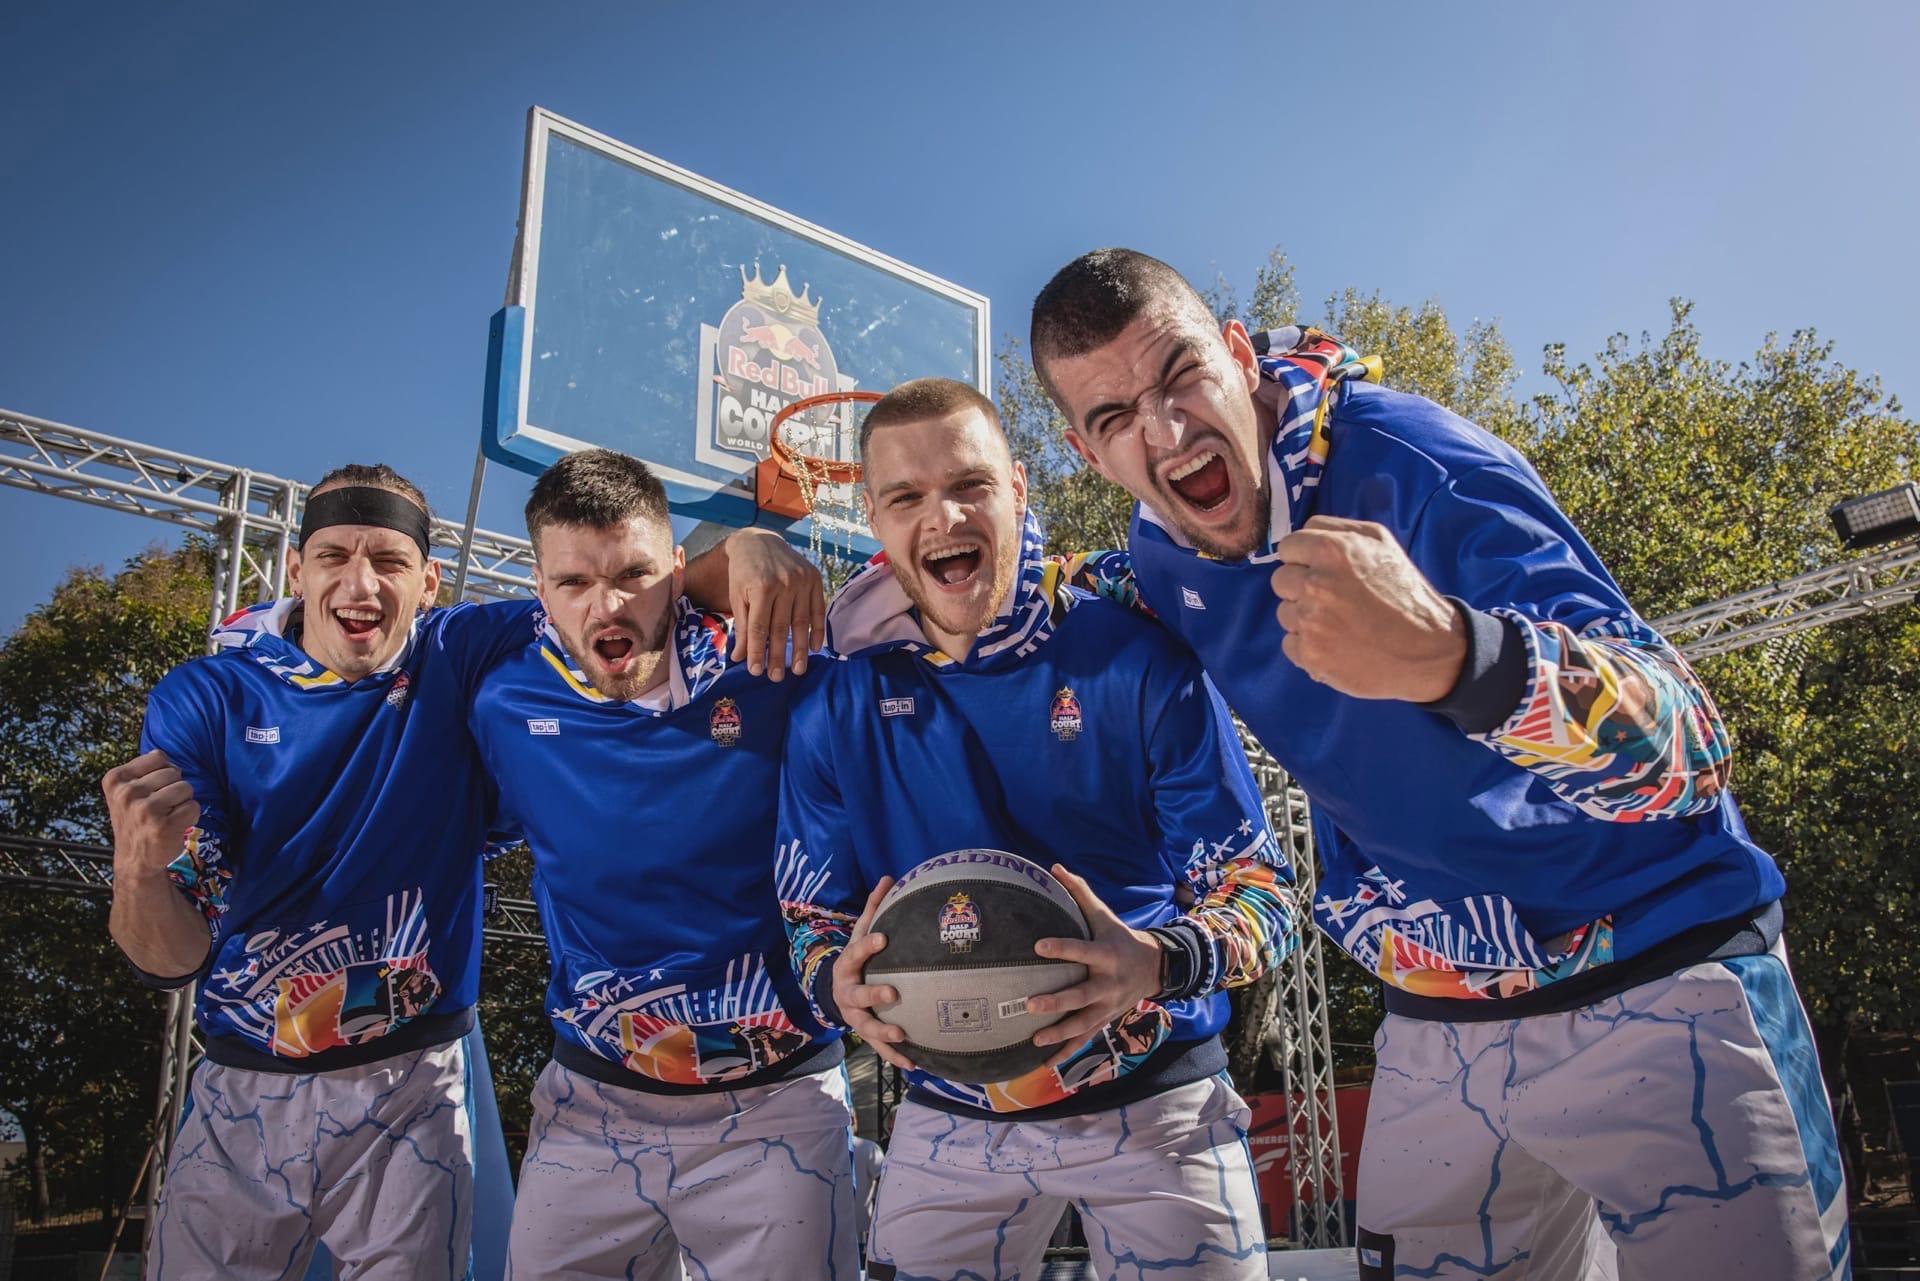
x,y
1105,573
177,724
1239,920
1562,677
820,886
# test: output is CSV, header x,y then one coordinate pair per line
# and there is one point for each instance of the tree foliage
x,y
79,1039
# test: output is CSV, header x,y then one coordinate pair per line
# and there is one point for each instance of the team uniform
x,y
1074,732
337,861
694,1110
1588,1008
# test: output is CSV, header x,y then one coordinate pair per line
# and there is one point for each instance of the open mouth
x,y
613,649
1203,482
358,623
954,568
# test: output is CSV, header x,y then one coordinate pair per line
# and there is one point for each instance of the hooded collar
x,y
1301,376
872,613
262,631
698,652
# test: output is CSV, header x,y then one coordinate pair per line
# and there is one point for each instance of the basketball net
x,y
813,469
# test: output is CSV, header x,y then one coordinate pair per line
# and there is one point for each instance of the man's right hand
x,y
151,807
857,1000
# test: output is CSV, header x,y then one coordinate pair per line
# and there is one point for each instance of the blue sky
x,y
273,234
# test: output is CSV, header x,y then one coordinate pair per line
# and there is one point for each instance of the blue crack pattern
x,y
268,1165
1164,1186
739,1183
1521,1090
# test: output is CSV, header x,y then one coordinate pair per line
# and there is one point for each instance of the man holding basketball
x,y
982,703
694,1116
1520,802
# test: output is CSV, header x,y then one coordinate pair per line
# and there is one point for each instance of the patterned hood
x,y
699,657
1300,377
872,613
263,631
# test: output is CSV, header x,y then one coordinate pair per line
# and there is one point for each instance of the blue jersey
x,y
1075,732
652,837
1470,854
338,854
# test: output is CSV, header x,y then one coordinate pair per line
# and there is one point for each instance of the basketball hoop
x,y
812,468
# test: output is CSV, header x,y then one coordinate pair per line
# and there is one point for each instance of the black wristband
x,y
1179,962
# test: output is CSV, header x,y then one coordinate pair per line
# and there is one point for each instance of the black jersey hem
x,y
1715,941
430,1031
816,1058
1173,1065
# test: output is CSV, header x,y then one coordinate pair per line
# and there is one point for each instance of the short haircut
x,y
1093,298
598,488
921,400
376,476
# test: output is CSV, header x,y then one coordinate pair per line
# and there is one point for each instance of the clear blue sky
x,y
273,233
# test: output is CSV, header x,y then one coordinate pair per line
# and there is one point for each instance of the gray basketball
x,y
960,933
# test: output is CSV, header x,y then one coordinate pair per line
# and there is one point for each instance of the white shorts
x,y
376,1162
732,1186
1164,1186
1685,1118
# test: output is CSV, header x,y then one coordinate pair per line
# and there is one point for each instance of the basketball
x,y
960,932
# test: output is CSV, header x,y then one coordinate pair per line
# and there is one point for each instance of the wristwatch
x,y
1176,964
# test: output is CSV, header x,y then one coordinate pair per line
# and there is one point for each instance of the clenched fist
x,y
1361,617
152,807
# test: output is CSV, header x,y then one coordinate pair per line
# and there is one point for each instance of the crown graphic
x,y
779,297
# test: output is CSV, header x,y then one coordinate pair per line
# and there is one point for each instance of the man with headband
x,y
302,837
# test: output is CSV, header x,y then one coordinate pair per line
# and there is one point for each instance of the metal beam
x,y
1864,585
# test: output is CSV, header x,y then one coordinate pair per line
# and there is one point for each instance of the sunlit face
x,y
610,594
1166,411
946,501
362,586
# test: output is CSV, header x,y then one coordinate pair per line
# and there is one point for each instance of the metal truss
x,y
1876,581
1303,1037
251,517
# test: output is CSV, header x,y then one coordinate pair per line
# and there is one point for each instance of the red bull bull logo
x,y
770,352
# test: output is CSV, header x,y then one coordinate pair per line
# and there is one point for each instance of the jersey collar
x,y
261,630
698,657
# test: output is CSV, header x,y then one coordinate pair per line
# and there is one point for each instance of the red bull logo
x,y
725,723
1063,718
770,352
959,923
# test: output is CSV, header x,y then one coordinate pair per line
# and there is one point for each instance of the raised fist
x,y
152,807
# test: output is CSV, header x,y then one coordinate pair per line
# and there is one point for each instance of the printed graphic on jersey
x,y
960,923
1064,716
681,1026
1116,1050
200,872
297,991
1470,948
724,722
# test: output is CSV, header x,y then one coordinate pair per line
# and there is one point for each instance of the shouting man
x,y
1520,802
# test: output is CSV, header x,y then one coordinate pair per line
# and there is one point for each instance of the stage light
x,y
1873,519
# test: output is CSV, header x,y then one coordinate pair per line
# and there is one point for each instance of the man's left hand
x,y
774,594
1361,617
1123,969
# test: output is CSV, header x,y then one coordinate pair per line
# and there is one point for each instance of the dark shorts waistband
x,y
1748,935
817,1057
1173,1065
427,1032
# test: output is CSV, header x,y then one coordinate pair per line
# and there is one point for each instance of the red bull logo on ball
x,y
769,352
959,923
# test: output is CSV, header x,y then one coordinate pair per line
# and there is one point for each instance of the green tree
x,y
1694,478
79,1040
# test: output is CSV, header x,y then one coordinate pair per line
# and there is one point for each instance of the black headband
x,y
365,505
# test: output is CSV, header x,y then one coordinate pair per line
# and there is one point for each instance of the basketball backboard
x,y
658,313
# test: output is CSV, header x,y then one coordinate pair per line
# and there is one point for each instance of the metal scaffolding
x,y
252,519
